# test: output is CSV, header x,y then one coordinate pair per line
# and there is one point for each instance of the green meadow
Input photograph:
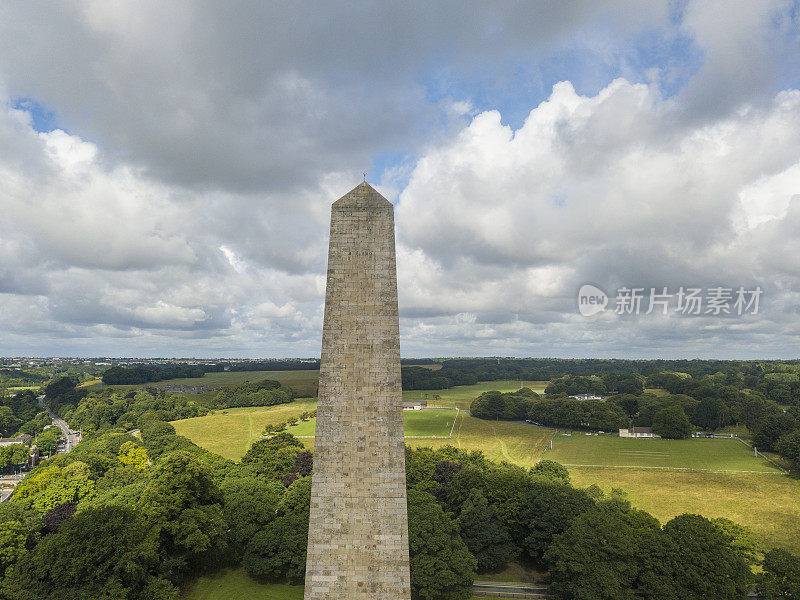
x,y
429,423
231,431
701,454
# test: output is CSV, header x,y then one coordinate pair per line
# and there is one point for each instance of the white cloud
x,y
181,205
602,189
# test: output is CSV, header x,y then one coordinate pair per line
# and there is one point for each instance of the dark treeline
x,y
467,371
137,374
18,413
269,365
257,393
149,373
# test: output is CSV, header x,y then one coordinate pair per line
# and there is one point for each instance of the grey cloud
x,y
253,95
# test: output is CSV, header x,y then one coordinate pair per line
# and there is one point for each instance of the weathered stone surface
x,y
358,530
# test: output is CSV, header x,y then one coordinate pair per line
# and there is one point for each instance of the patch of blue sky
x,y
786,26
43,119
390,163
514,89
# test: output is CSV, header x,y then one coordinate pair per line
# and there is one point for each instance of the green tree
x,y
788,446
249,506
297,497
104,553
547,510
278,552
489,405
780,579
692,559
60,386
550,469
442,567
671,422
133,455
8,421
13,535
273,458
770,429
598,557
47,441
47,488
184,506
740,538
483,533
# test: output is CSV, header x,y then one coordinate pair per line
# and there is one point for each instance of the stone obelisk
x,y
358,529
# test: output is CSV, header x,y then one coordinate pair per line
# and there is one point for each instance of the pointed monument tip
x,y
362,194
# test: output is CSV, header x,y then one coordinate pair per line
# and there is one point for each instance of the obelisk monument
x,y
358,529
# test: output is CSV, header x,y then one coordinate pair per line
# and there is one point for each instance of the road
x,y
72,437
509,590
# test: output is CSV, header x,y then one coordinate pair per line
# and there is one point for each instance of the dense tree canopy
x,y
483,533
671,422
442,567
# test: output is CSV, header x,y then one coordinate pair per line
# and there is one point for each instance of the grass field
x,y
711,477
768,504
462,395
236,585
518,443
692,454
231,431
415,423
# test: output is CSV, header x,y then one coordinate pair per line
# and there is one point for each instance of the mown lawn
x,y
695,453
518,443
415,422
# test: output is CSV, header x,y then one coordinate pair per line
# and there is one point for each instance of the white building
x,y
638,432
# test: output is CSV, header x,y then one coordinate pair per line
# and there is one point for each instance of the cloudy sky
x,y
167,170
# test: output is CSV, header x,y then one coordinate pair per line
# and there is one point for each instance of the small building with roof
x,y
638,432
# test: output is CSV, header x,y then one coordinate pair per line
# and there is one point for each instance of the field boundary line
x,y
454,425
690,469
769,460
547,446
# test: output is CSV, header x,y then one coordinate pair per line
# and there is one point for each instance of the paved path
x,y
509,590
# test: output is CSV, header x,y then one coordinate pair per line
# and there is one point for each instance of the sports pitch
x,y
430,423
696,454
